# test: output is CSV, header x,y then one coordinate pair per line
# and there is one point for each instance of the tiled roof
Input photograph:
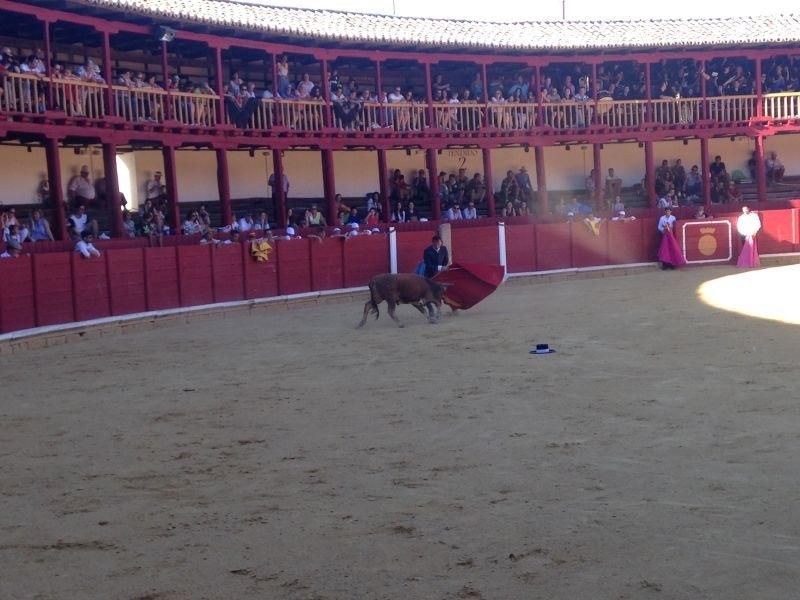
x,y
515,36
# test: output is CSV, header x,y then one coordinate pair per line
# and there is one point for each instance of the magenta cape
x,y
669,252
469,283
748,257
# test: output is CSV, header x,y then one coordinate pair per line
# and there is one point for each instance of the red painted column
x,y
429,92
705,173
59,217
378,80
165,75
326,93
48,57
487,180
329,185
383,180
649,92
108,74
224,185
598,177
541,180
649,174
171,183
112,188
759,90
433,176
279,194
220,101
542,119
761,168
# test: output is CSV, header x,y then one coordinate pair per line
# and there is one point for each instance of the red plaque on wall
x,y
707,241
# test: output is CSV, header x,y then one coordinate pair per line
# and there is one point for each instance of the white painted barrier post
x,y
501,242
392,250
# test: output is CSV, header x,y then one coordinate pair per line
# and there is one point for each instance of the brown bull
x,y
404,288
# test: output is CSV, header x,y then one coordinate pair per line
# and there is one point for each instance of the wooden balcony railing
x,y
782,106
459,117
568,114
23,93
80,98
139,104
194,109
305,115
620,113
731,108
677,111
406,116
511,115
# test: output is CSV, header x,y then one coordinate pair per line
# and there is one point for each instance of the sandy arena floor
x,y
284,454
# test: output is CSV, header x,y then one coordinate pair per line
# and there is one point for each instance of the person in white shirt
x,y
272,182
81,189
470,212
669,253
247,223
154,188
775,168
618,205
454,213
305,87
85,246
748,225
13,250
81,222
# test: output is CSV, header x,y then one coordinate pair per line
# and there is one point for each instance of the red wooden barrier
x,y
588,249
260,278
161,277
91,287
194,273
521,248
651,239
365,257
228,272
52,275
553,246
327,264
477,245
778,231
625,243
294,266
16,294
126,283
410,246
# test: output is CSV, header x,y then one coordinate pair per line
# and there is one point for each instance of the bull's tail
x,y
372,300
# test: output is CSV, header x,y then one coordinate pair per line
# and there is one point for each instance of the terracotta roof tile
x,y
532,35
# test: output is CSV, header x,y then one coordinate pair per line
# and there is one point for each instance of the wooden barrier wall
x,y
51,286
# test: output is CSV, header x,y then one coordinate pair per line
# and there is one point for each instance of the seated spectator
x,y
523,210
81,221
128,226
246,223
262,223
618,205
399,214
718,171
775,168
560,209
9,219
679,178
85,247
292,220
208,237
509,188
694,183
475,189
374,202
204,216
454,212
470,212
701,214
353,230
719,192
40,228
411,213
372,219
191,225
13,250
508,210
613,185
420,188
622,217
81,190
354,218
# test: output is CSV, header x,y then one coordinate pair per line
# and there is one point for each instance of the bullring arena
x,y
196,196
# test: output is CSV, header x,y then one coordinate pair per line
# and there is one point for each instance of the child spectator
x,y
85,246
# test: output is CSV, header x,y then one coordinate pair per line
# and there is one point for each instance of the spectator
x,y
128,226
589,184
246,223
775,168
420,188
718,171
435,257
40,228
399,214
593,223
354,217
694,183
719,192
81,222
613,185
191,225
523,210
372,220
85,247
618,205
470,212
13,250
9,219
411,213
524,184
80,190
273,186
262,223
374,202
734,193
154,189
509,188
475,189
454,212
204,216
283,75
508,209
679,178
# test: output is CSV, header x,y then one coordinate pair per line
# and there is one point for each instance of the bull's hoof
x,y
400,325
